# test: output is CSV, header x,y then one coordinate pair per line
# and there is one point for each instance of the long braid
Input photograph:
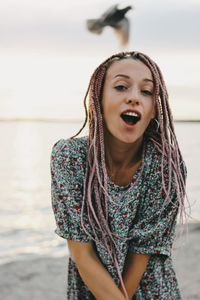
x,y
95,181
169,142
162,117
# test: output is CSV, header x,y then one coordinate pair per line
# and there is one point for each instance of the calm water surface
x,y
26,220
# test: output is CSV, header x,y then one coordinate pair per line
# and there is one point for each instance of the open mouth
x,y
131,118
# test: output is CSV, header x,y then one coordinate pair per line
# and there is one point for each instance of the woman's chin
x,y
128,139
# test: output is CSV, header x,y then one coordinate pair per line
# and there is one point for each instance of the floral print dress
x,y
137,212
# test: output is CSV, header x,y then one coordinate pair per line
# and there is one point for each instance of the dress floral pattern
x,y
137,211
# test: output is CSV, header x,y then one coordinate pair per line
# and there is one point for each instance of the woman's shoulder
x,y
68,156
155,158
70,147
156,164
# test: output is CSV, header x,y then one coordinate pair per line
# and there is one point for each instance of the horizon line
x,y
74,120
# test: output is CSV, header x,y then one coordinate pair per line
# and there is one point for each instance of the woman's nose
x,y
133,97
133,101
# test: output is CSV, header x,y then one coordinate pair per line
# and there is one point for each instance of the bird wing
x,y
109,12
94,25
122,30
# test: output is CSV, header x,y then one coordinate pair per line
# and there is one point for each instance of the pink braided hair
x,y
95,181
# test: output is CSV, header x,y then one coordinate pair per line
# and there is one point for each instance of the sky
x,y
61,24
47,55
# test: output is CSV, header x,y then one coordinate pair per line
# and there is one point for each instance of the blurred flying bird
x,y
114,18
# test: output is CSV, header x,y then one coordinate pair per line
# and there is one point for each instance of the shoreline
x,y
74,120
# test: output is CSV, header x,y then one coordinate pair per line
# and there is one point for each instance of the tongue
x,y
131,120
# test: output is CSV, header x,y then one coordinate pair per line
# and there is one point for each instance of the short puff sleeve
x,y
67,174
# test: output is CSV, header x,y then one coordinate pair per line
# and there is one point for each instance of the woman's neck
x,y
120,155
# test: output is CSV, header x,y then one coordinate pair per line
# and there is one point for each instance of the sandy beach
x,y
45,278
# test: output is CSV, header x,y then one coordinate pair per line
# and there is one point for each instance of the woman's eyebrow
x,y
122,75
147,79
126,76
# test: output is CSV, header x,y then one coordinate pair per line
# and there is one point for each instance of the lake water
x,y
26,219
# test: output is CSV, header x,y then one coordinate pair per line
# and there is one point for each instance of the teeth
x,y
131,113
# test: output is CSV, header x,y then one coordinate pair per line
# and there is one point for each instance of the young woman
x,y
116,193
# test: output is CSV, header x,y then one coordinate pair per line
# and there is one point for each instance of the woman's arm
x,y
93,273
134,268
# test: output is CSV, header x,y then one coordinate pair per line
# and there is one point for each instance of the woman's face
x,y
128,99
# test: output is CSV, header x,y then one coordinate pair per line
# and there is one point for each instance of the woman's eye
x,y
147,92
120,87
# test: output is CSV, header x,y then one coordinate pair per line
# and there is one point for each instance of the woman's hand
x,y
134,268
93,273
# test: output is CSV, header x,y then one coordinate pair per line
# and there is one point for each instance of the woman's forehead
x,y
129,67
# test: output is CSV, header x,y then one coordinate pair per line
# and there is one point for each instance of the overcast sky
x,y
60,24
47,55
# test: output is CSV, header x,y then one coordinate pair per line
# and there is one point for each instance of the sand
x,y
44,278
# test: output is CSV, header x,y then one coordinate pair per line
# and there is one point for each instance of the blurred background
x,y
46,59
